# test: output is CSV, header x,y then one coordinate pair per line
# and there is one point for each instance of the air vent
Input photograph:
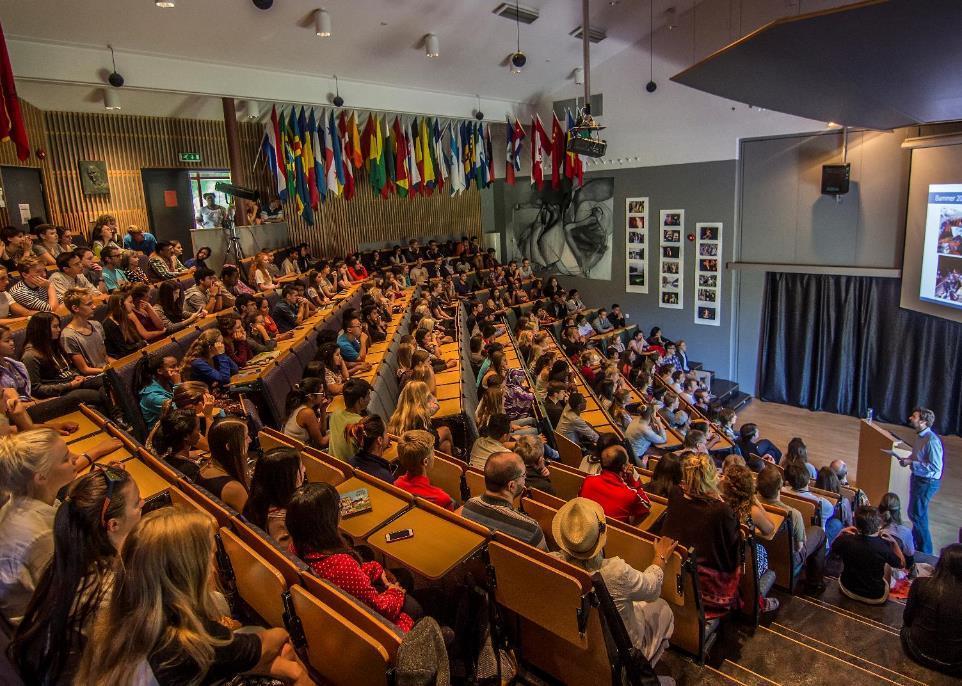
x,y
595,35
526,15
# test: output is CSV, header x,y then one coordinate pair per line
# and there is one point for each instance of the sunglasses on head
x,y
113,474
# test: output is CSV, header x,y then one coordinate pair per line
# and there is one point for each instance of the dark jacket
x,y
374,465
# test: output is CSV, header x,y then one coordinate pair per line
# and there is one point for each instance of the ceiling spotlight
x,y
114,78
253,110
111,99
579,75
432,47
263,4
166,4
518,60
322,23
833,125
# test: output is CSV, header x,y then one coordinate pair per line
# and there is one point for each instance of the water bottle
x,y
869,415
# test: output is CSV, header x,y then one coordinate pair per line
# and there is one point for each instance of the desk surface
x,y
148,481
384,506
437,547
85,424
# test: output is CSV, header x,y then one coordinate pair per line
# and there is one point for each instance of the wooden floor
x,y
833,436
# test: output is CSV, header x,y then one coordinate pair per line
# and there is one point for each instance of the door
x,y
23,191
169,205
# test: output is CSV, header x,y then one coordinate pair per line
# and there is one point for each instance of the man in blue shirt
x,y
926,465
113,276
140,240
353,343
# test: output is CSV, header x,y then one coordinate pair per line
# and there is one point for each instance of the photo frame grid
x,y
636,245
671,251
708,273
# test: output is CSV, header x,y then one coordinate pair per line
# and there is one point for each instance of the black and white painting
x,y
568,232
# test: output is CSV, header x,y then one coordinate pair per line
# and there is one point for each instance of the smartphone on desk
x,y
399,535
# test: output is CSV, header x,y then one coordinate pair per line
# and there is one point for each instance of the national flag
x,y
426,165
401,178
286,140
574,164
467,153
557,151
352,141
350,175
489,154
455,162
303,192
332,161
367,136
338,150
480,157
441,172
275,156
375,163
387,158
317,130
513,159
413,173
11,119
310,128
539,148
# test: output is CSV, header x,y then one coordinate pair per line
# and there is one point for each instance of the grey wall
x,y
784,218
706,191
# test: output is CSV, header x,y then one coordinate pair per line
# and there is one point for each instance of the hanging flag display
x,y
636,245
672,259
708,273
540,147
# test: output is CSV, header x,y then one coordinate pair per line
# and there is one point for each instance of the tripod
x,y
233,241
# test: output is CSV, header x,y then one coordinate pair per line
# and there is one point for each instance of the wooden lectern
x,y
878,471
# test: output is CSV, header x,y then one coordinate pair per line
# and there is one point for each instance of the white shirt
x,y
212,217
26,546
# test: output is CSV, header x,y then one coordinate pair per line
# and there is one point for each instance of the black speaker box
x,y
835,178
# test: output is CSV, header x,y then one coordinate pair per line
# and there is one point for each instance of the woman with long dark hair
x,y
120,333
89,528
313,515
931,631
305,404
370,437
226,475
169,309
147,320
336,373
277,474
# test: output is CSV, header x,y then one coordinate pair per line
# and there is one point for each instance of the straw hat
x,y
579,528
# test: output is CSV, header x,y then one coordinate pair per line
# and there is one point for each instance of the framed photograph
x,y
672,259
636,222
93,177
636,235
671,219
638,206
708,273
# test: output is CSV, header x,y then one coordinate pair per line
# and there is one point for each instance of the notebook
x,y
355,502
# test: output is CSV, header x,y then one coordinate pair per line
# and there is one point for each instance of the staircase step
x,y
722,388
737,400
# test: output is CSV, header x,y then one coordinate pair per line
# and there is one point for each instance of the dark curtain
x,y
842,344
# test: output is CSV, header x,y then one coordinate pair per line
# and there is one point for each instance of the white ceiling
x,y
374,41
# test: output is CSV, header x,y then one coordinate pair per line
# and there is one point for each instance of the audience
x,y
531,451
890,510
305,410
206,360
617,488
313,515
278,473
931,631
82,339
415,453
644,432
796,476
120,333
572,426
370,436
415,407
155,378
504,482
868,556
34,292
357,394
112,275
579,531
69,274
666,475
226,473
495,438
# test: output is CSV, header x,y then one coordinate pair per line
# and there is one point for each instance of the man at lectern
x,y
926,465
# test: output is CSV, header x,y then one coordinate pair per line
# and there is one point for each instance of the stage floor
x,y
830,436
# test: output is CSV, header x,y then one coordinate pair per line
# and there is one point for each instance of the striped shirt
x,y
497,514
31,298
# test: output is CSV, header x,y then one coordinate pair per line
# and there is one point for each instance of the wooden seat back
x,y
259,584
265,546
179,499
218,510
446,473
658,506
569,451
319,471
811,512
566,480
780,550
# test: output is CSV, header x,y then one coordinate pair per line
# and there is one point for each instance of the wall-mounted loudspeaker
x,y
835,178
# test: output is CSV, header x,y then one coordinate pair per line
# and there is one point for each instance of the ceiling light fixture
x,y
165,4
114,78
338,100
253,110
651,86
322,23
111,99
432,47
579,75
518,59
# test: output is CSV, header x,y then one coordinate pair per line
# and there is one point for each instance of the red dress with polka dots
x,y
358,579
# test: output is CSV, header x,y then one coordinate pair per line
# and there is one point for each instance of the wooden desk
x,y
448,392
148,481
384,506
594,417
777,519
85,424
449,408
437,547
448,377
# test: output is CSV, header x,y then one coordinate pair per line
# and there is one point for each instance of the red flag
x,y
557,151
11,119
539,148
400,159
344,129
366,136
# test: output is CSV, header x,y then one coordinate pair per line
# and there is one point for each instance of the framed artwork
x,y
636,245
708,273
93,177
672,259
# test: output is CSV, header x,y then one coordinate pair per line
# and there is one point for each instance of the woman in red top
x,y
415,453
312,518
355,270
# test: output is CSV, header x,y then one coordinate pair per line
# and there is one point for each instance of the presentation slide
x,y
941,277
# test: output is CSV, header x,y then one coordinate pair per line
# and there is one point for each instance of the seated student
x,y
154,380
305,406
120,334
291,310
113,276
166,564
159,262
797,451
51,373
698,517
10,310
931,632
226,474
369,434
415,452
206,294
493,402
572,426
868,558
601,323
495,438
573,302
139,240
206,360
531,450
230,276
796,476
277,474
580,532
666,475
555,400
504,481
236,345
34,292
82,339
88,531
355,269
357,395
747,443
890,509
645,431
69,274
46,245
353,342
313,515
617,488
12,246
617,318
373,324
415,407
34,466
335,370
827,481
808,542
199,259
